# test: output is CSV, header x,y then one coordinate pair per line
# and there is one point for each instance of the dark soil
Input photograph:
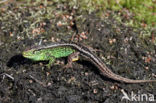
x,y
119,46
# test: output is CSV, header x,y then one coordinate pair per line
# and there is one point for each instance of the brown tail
x,y
126,80
107,72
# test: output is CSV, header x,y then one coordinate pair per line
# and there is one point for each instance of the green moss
x,y
136,13
143,11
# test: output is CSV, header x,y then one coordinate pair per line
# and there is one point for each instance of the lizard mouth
x,y
25,54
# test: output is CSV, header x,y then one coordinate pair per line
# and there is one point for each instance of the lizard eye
x,y
35,52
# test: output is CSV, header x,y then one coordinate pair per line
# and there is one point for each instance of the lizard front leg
x,y
51,60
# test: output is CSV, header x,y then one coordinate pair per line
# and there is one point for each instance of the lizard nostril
x,y
23,53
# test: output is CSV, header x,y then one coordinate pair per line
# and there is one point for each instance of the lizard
x,y
73,50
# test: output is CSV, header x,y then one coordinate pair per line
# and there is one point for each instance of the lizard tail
x,y
107,72
126,80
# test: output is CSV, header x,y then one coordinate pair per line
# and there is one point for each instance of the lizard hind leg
x,y
71,58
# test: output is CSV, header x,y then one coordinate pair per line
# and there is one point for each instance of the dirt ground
x,y
120,47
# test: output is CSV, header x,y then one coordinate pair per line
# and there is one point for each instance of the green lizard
x,y
53,51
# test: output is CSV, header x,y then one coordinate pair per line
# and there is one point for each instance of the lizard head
x,y
33,55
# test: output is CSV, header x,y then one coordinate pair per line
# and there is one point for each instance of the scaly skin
x,y
48,54
52,51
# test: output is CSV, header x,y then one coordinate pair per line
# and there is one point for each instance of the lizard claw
x,y
67,66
